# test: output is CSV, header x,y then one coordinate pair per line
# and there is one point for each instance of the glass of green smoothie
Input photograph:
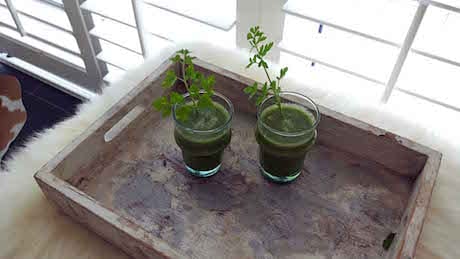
x,y
203,134
285,131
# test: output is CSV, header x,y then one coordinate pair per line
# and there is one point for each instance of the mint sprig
x,y
200,88
256,39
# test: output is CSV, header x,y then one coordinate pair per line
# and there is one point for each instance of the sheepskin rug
x,y
30,227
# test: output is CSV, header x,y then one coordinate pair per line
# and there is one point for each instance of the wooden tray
x,y
124,179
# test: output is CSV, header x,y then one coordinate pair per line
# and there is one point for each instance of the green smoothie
x,y
284,139
203,136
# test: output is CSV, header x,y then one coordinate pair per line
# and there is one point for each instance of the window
x,y
365,38
116,26
360,46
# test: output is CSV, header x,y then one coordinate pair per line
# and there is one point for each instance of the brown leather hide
x,y
12,112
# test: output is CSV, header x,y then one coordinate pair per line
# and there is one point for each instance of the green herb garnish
x,y
198,86
256,39
388,241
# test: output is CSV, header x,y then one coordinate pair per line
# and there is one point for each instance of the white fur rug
x,y
31,228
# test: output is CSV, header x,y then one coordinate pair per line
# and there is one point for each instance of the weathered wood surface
x,y
344,204
114,228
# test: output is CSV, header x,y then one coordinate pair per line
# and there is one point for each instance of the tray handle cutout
x,y
123,123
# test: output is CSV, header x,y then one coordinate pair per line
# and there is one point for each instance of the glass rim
x,y
219,95
291,134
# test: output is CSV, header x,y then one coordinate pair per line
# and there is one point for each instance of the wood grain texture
x,y
359,184
341,206
114,228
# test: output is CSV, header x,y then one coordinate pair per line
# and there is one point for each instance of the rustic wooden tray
x,y
124,179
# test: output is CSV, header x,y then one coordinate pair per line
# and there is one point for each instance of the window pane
x,y
119,57
220,13
50,34
5,17
44,11
179,28
46,49
386,19
121,11
330,80
431,78
348,51
116,32
454,3
161,22
439,34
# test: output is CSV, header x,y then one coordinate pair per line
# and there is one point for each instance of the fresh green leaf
x,y
263,64
260,99
176,58
256,37
273,86
162,105
190,72
194,89
283,72
183,112
251,90
158,103
188,60
183,51
207,83
265,89
176,98
198,86
205,101
248,90
169,80
262,38
194,92
268,47
196,78
388,241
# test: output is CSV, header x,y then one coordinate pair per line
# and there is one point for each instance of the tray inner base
x,y
341,205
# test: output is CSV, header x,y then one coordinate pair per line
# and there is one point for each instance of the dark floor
x,y
45,105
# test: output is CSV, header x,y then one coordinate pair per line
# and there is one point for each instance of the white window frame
x,y
405,48
95,69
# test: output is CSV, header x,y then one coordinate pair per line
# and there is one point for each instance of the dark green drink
x,y
285,134
203,135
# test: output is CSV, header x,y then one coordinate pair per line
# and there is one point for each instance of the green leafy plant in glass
x,y
202,116
199,87
256,39
286,125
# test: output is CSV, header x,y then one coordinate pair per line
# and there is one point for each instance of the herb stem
x,y
265,69
277,97
185,82
278,100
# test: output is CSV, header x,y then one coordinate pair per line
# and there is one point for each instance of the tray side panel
x,y
70,164
91,144
134,241
383,148
405,243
